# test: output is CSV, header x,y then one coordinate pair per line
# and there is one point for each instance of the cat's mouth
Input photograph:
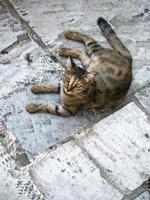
x,y
67,92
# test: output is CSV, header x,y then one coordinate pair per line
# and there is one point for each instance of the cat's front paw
x,y
36,89
64,51
32,108
71,35
68,34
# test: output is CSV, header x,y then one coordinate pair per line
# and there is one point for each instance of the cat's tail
x,y
112,38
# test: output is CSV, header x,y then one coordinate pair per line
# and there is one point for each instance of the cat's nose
x,y
69,89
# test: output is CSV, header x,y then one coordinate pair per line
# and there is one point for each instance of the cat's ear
x,y
71,64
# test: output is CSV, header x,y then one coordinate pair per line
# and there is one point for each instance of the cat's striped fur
x,y
102,83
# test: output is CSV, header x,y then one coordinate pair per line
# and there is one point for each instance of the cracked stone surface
x,y
50,24
12,147
36,132
120,145
130,20
9,28
117,153
20,72
144,196
70,175
15,184
143,97
116,150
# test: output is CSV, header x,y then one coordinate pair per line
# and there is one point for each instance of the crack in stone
x,y
103,172
145,186
35,37
20,39
13,147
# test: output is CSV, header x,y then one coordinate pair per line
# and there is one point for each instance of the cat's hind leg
x,y
91,45
39,89
75,53
71,35
53,109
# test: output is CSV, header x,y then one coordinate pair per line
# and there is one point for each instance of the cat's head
x,y
76,80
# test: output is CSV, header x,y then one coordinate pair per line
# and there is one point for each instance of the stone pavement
x,y
92,155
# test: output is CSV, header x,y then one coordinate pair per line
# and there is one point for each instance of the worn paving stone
x,y
141,77
12,147
143,97
67,174
27,65
120,146
130,19
9,28
15,184
23,62
37,132
144,196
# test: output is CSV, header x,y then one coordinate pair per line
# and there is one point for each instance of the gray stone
x,y
20,72
143,97
120,147
9,29
12,147
67,174
144,196
141,78
113,157
15,184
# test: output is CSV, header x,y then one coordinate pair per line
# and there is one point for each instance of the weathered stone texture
x,y
113,156
120,145
67,174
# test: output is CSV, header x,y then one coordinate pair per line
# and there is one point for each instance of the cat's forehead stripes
x,y
80,72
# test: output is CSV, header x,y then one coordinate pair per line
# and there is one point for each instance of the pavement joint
x,y
103,171
35,37
20,39
8,140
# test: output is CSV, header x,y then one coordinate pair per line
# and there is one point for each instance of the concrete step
x,y
107,161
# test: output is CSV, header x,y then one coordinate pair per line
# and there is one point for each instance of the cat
x,y
102,83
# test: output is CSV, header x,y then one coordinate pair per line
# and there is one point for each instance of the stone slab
x,y
120,145
67,174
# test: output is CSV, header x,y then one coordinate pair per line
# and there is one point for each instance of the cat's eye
x,y
78,85
67,79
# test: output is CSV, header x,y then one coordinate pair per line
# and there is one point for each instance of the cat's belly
x,y
105,104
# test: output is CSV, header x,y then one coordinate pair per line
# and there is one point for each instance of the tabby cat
x,y
102,83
